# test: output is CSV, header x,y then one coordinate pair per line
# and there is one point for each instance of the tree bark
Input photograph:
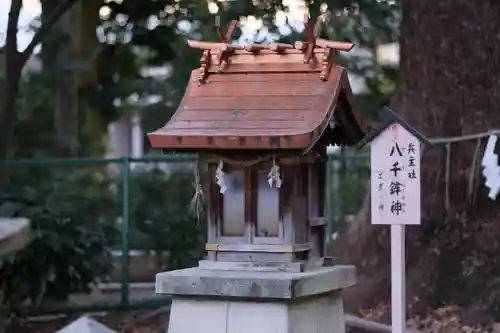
x,y
66,88
13,66
449,85
14,63
74,41
94,125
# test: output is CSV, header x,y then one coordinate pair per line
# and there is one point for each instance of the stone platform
x,y
214,301
14,234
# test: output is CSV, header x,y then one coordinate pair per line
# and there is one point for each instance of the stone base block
x,y
253,284
319,314
224,301
290,267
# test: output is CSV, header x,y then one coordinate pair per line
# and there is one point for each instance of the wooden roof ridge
x,y
275,47
316,53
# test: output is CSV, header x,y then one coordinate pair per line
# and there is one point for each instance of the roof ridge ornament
x,y
327,59
314,39
318,52
311,40
205,65
226,50
228,36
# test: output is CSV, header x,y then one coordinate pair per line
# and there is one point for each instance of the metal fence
x,y
348,173
143,203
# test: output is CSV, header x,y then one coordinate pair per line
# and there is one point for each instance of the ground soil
x,y
143,321
448,319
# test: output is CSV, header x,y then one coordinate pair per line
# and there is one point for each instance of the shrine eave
x,y
260,111
183,141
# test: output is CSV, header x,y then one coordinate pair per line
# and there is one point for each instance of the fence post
x,y
334,203
340,217
329,198
125,173
336,192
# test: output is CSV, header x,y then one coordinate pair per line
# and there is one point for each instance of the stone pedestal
x,y
218,301
14,235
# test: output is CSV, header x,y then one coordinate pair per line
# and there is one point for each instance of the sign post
x,y
398,278
395,154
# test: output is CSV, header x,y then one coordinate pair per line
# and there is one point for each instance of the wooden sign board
x,y
395,177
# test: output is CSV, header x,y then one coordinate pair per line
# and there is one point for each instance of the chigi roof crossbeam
x,y
315,53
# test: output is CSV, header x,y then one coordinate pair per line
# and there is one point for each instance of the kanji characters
x,y
395,188
411,148
396,149
395,168
411,161
397,207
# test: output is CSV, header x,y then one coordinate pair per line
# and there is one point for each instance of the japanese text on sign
x,y
395,177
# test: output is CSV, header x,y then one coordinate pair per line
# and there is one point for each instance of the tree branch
x,y
51,20
14,63
13,20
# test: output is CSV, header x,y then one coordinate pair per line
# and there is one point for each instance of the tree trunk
x,y
8,104
13,63
74,42
49,44
94,126
449,85
60,54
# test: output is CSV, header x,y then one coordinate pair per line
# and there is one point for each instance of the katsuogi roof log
x,y
276,96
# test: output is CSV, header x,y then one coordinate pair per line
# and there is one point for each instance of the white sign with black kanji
x,y
395,177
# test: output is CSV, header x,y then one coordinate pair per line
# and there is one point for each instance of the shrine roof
x,y
389,117
276,96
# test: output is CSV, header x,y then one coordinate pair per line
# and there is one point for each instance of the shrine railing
x,y
143,213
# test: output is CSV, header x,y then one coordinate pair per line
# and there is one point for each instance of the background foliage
x,y
141,64
77,218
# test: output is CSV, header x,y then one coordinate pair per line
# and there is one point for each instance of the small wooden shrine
x,y
262,116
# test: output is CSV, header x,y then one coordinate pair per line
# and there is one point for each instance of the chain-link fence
x,y
121,220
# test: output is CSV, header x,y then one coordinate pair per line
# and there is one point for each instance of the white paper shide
x,y
491,168
220,177
274,176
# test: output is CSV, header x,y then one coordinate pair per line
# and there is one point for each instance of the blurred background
x,y
108,212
